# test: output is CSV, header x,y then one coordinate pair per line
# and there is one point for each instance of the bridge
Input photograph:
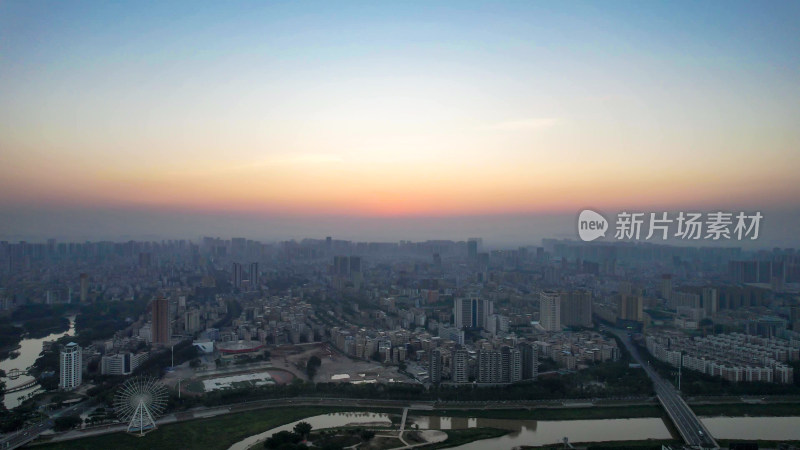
x,y
24,436
691,429
21,387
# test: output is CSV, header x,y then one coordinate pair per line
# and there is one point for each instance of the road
x,y
25,435
689,426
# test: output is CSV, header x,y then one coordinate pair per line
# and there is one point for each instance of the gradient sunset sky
x,y
392,120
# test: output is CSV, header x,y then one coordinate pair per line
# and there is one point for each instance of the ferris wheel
x,y
140,401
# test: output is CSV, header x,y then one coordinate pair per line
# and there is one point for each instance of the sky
x,y
392,120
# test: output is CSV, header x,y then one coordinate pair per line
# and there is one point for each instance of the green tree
x,y
303,429
367,435
282,439
312,366
67,422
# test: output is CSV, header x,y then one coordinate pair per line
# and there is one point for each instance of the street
x,y
689,426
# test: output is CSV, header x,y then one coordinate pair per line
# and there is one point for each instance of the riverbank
x,y
649,444
222,431
585,413
5,352
747,409
624,412
461,437
217,433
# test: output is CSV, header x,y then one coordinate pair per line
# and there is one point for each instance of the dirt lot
x,y
293,358
333,363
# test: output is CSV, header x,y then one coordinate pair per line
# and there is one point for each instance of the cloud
x,y
522,125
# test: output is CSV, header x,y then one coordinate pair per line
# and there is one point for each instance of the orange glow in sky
x,y
398,110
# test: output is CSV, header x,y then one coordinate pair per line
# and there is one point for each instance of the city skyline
x,y
465,118
408,224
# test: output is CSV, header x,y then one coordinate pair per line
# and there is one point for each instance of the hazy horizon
x,y
508,231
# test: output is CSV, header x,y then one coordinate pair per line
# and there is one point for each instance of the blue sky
x,y
397,109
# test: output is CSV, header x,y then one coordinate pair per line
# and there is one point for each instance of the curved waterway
x,y
322,421
543,432
29,351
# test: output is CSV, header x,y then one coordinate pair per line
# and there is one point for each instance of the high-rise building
x,y
490,364
530,360
710,301
355,264
472,312
160,329
666,287
437,260
435,366
254,281
496,324
341,266
145,259
472,249
356,276
71,366
237,275
500,366
629,307
794,317
84,285
192,320
121,363
550,311
460,372
511,364
688,299
576,308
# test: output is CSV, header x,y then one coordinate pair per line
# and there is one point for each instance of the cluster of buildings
x,y
577,350
735,357
565,309
488,364
444,311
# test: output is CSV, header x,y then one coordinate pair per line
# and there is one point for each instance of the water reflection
x,y
532,432
462,423
323,421
28,353
767,428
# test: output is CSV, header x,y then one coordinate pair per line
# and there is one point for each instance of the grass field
x,y
605,412
461,437
220,432
745,409
217,433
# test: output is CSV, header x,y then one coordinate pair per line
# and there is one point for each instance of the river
x,y
29,351
543,432
322,421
